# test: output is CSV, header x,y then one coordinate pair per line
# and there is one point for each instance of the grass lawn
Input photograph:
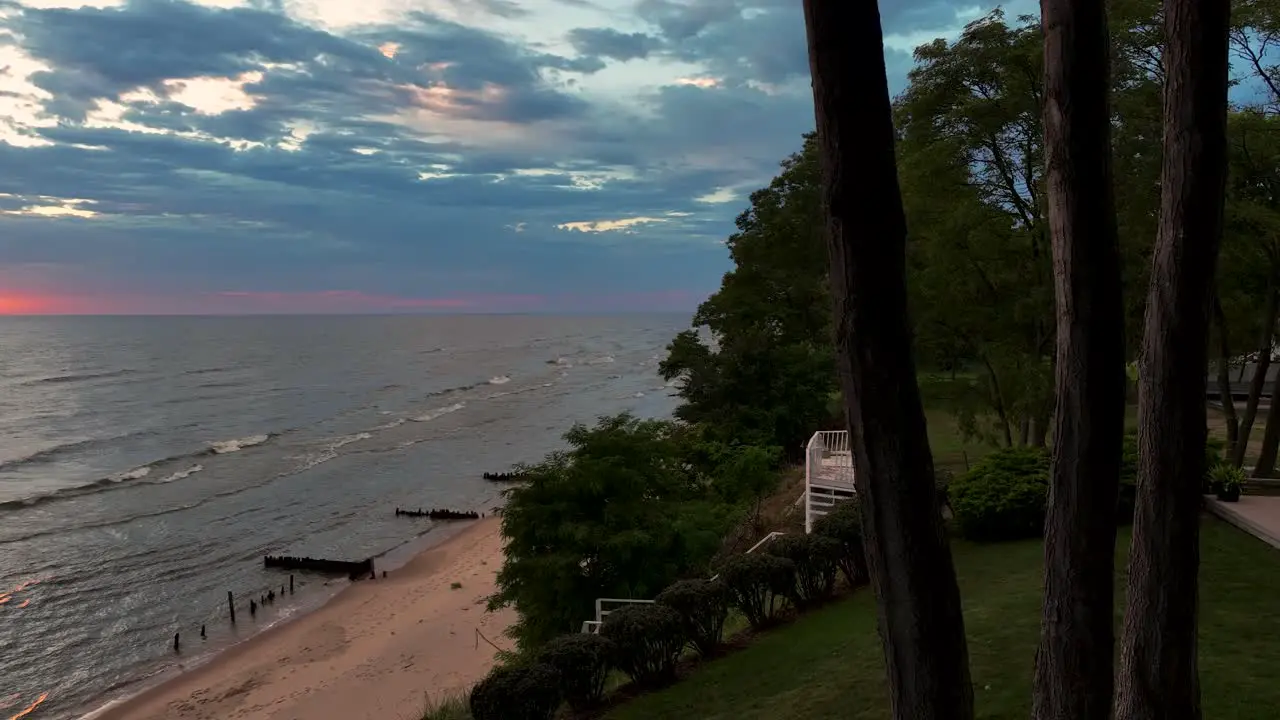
x,y
828,663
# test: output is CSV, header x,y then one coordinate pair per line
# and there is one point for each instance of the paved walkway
x,y
1258,515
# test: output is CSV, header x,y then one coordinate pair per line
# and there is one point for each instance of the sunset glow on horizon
x,y
336,302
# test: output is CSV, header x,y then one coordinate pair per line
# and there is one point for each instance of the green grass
x,y
950,450
448,707
828,663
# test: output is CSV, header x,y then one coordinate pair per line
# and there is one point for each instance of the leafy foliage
x,y
756,581
759,364
1226,477
622,513
844,525
582,662
703,606
647,641
517,692
815,558
1004,496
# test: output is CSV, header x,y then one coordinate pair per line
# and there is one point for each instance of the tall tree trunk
x,y
1266,465
1159,675
909,559
1074,668
1259,380
1227,400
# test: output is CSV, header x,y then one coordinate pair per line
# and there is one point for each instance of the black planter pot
x,y
1229,494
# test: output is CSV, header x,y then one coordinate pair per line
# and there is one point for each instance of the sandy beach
x,y
375,651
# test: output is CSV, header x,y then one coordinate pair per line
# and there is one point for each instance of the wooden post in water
x,y
231,603
290,584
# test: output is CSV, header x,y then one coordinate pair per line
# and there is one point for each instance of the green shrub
x,y
1225,476
582,662
844,525
521,692
703,606
1004,496
815,558
756,581
647,641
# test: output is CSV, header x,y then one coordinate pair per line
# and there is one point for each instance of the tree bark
x,y
1259,380
1227,400
909,559
1159,676
1265,467
1074,675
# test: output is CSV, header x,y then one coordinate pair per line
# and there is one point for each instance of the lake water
x,y
147,465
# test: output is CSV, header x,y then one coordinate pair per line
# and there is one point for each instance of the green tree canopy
x,y
622,513
758,366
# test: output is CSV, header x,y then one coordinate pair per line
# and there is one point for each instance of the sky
x,y
348,156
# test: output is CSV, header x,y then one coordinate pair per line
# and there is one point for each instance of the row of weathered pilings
x,y
353,569
440,514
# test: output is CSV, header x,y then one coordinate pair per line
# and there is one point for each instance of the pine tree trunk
x,y
909,559
1266,465
1074,669
1259,380
1227,400
1159,676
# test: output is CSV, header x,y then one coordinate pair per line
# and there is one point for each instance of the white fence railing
x,y
828,474
604,606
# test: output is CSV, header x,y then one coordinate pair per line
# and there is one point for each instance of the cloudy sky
x,y
229,156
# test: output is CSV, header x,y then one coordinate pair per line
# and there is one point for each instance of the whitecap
x,y
230,446
499,380
438,412
133,474
183,474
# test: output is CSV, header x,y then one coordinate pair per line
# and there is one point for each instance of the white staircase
x,y
828,474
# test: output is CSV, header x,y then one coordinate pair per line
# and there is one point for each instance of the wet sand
x,y
378,650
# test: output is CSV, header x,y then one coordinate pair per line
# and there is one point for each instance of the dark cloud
x,y
605,42
337,177
104,53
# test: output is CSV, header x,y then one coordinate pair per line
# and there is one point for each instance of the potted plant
x,y
1226,480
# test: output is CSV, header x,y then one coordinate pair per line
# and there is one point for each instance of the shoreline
x,y
367,652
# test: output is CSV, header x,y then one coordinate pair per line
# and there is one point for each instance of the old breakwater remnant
x,y
352,568
506,477
439,514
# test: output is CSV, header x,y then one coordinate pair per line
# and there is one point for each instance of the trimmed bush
x,y
844,525
703,606
582,662
815,559
522,692
756,581
647,640
1004,496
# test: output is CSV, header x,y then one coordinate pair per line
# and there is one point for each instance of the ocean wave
x,y
438,412
518,391
330,451
561,361
78,377
206,371
135,474
603,360
181,474
222,447
55,452
131,477
499,380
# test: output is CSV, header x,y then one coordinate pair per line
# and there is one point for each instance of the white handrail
x,y
593,626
